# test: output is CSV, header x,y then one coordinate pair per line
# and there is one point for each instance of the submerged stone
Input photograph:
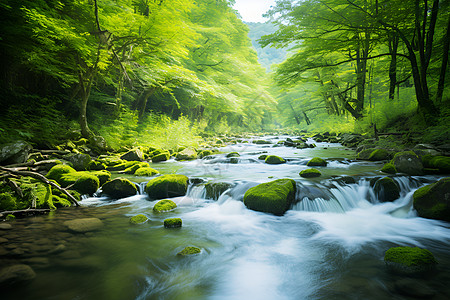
x,y
215,189
316,161
409,260
272,197
16,273
310,173
173,223
274,160
84,225
164,206
433,201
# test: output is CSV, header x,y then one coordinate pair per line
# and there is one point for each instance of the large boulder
x,y
215,189
14,153
82,182
164,206
272,197
119,188
167,186
310,173
133,168
408,162
317,162
98,144
386,189
164,156
274,160
84,225
439,163
433,201
133,155
79,161
409,260
186,154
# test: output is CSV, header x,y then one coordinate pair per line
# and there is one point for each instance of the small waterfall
x,y
196,191
319,205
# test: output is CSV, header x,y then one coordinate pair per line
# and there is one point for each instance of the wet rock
x,y
167,186
233,154
16,273
119,188
389,168
186,154
189,251
5,226
272,197
433,201
440,163
386,189
133,155
274,160
161,157
164,206
98,144
408,162
138,219
262,142
146,171
204,153
310,173
409,260
14,153
316,161
262,157
215,189
173,223
84,225
58,249
79,161
414,288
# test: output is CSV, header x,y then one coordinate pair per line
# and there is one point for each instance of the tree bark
x,y
445,50
393,46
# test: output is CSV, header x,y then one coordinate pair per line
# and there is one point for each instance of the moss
x,y
57,171
215,189
96,165
409,259
408,162
61,201
189,251
110,161
272,197
133,168
7,202
433,201
274,160
205,153
82,182
389,168
310,173
146,171
379,154
233,154
316,161
261,142
186,154
119,188
164,206
167,186
10,217
262,157
442,163
161,157
103,176
234,160
123,165
386,189
365,154
173,223
138,219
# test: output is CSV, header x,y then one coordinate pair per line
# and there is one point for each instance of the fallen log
x,y
43,179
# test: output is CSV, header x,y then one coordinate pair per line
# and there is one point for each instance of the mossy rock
x,y
365,153
408,162
164,156
273,197
189,251
409,260
433,201
215,189
79,161
146,172
263,157
95,165
57,171
167,186
173,223
133,155
103,176
119,188
109,161
262,142
274,160
7,201
138,219
123,165
316,162
441,163
379,154
82,182
310,173
205,153
61,201
186,154
386,189
164,206
389,168
233,160
133,168
233,154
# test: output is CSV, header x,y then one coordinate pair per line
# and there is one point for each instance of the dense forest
x,y
143,70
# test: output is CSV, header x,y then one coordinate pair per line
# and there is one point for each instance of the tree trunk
x,y
295,114
361,70
393,46
445,50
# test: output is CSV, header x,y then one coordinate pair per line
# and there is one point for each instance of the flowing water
x,y
329,245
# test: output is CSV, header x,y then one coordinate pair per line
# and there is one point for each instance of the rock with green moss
x,y
433,201
316,162
310,173
164,206
173,223
409,260
379,154
386,189
7,201
103,176
14,152
262,142
122,165
146,171
133,155
119,188
233,154
408,162
83,182
186,154
164,156
133,168
262,157
167,186
57,171
138,219
215,189
59,201
10,218
389,168
79,161
439,163
189,251
274,160
204,153
95,165
273,197
364,154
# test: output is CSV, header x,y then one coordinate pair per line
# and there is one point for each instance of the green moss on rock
x,y
389,168
408,162
272,197
379,154
310,173
441,163
262,157
205,153
57,171
167,186
138,219
186,154
274,160
124,165
133,168
233,154
173,223
103,176
386,189
164,206
316,162
161,157
119,188
189,251
95,165
433,201
7,201
365,154
82,182
146,171
409,260
215,189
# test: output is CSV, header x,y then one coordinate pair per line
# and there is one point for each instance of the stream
x,y
329,245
